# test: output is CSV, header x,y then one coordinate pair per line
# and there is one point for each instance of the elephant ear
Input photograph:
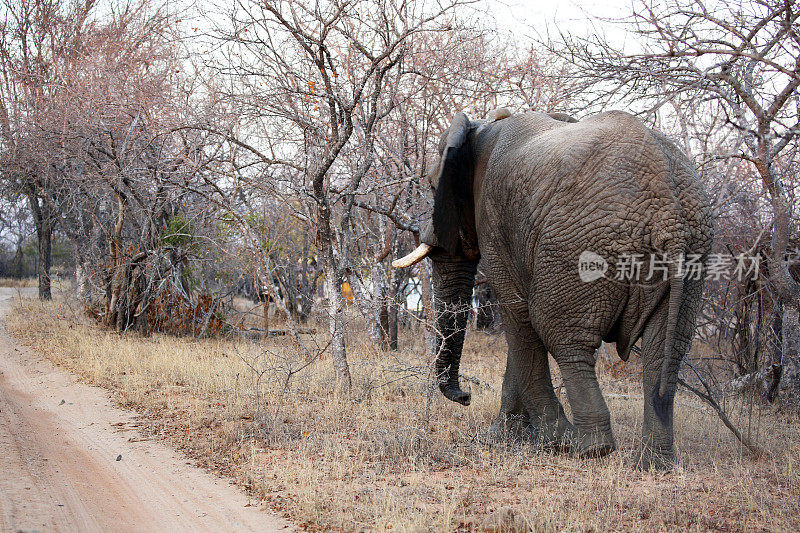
x,y
453,206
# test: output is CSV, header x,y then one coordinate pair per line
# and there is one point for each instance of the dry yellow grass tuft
x,y
395,455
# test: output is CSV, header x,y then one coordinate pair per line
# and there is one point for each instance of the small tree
x,y
39,41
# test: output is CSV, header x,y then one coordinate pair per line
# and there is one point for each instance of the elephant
x,y
532,195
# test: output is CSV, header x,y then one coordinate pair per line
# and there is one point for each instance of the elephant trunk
x,y
452,287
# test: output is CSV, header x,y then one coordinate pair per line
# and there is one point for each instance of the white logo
x,y
591,266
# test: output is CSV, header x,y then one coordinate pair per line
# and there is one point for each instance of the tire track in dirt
x,y
59,444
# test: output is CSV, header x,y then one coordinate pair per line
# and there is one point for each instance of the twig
x,y
708,397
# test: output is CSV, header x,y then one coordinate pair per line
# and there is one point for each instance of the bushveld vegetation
x,y
227,186
394,454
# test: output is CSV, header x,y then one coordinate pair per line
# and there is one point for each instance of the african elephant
x,y
529,194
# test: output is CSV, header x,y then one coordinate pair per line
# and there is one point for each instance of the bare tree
x,y
88,109
315,79
39,41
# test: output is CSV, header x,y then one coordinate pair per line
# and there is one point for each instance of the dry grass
x,y
394,456
56,283
18,283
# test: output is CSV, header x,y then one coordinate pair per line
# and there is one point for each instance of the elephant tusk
x,y
414,257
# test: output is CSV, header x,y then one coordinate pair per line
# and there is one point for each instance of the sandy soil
x,y
69,461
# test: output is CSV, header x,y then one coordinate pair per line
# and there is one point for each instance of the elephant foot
x,y
595,444
454,393
651,458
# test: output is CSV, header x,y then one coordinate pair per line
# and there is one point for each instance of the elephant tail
x,y
660,400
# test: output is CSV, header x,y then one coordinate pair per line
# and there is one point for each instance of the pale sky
x,y
570,16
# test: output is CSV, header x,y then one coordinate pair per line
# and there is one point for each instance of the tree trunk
x,y
431,344
82,289
788,290
383,325
83,271
114,284
262,294
307,285
18,267
335,304
290,288
395,298
122,313
393,309
45,249
333,296
265,314
790,330
43,222
379,323
776,353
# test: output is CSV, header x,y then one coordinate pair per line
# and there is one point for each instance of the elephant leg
x,y
529,408
657,448
590,414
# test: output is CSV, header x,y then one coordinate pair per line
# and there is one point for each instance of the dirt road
x,y
65,466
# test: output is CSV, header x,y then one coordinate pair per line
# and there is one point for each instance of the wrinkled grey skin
x,y
528,194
